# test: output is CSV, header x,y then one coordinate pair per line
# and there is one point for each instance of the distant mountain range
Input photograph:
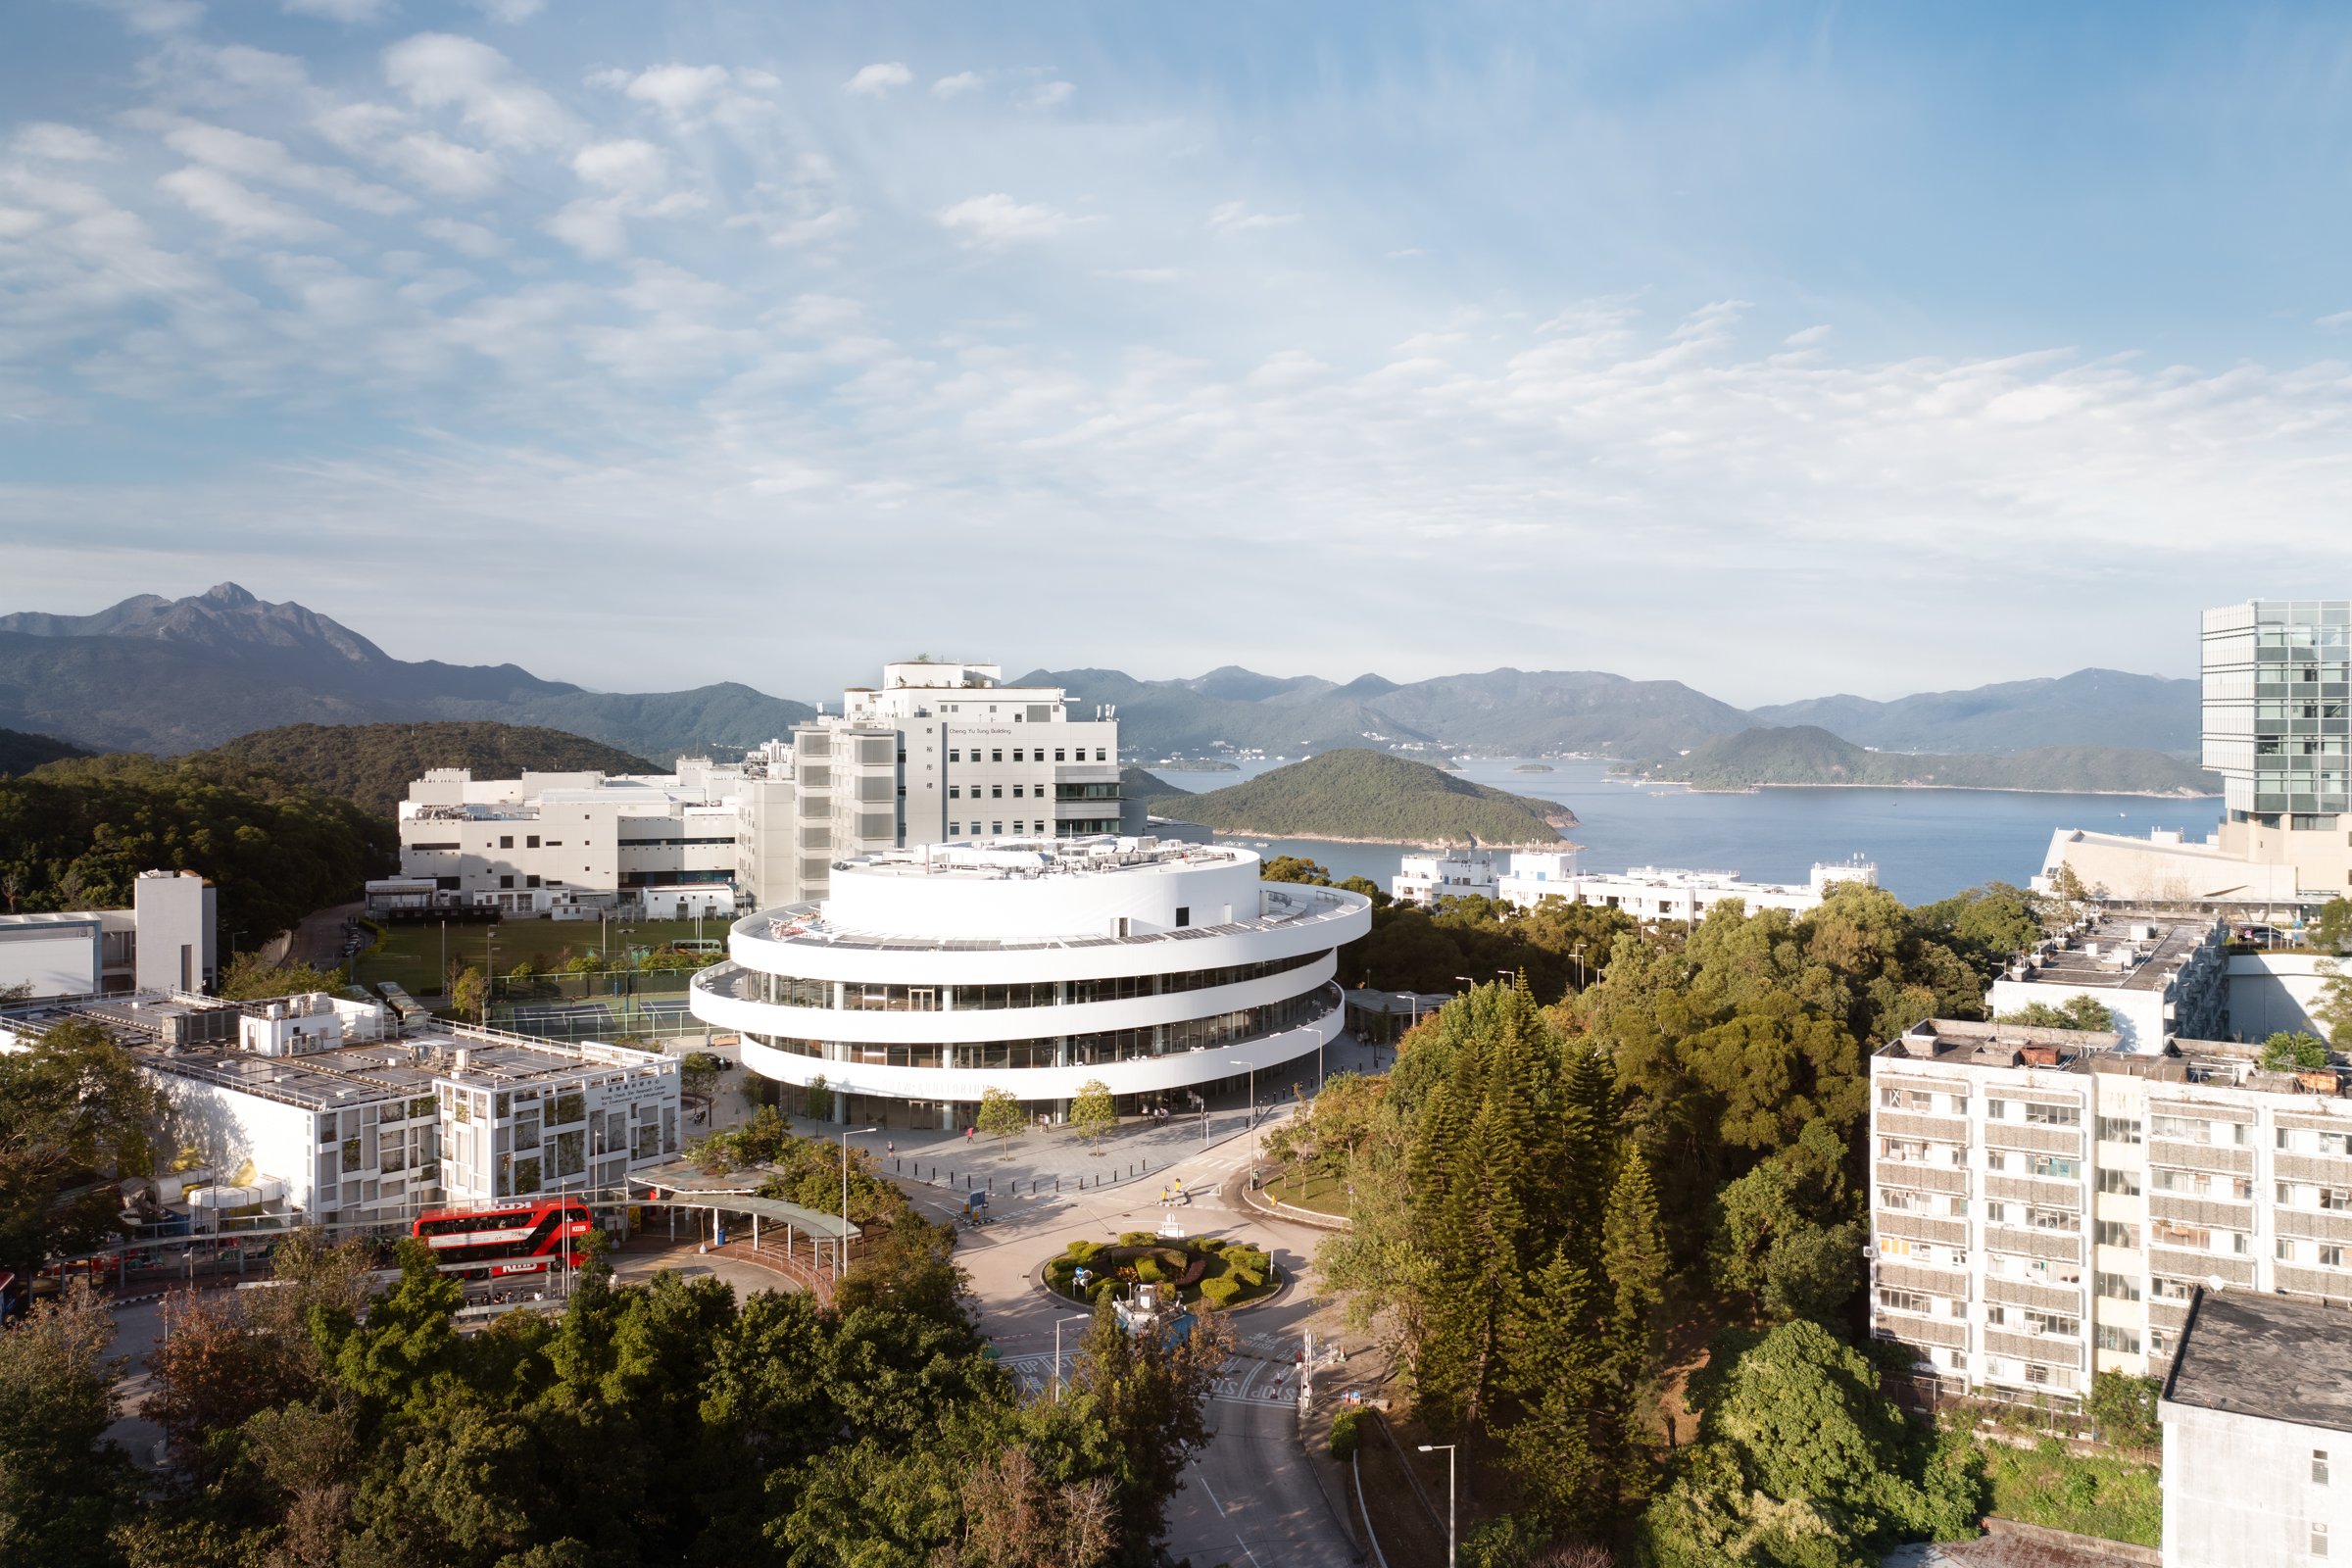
x,y
1537,713
171,675
1806,753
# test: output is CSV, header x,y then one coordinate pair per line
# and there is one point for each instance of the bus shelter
x,y
721,1199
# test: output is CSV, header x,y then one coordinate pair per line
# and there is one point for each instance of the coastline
x,y
1409,844
1986,789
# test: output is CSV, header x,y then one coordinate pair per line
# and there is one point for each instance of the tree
x,y
1295,869
251,977
1002,1118
1803,1461
1148,1398
698,1074
2334,1006
2075,1013
75,1113
1094,1113
2293,1053
215,1370
469,994
820,1098
2123,1408
63,1485
2332,928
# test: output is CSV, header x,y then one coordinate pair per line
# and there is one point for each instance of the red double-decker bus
x,y
521,1237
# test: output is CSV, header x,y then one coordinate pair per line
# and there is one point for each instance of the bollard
x,y
1057,1187
992,1182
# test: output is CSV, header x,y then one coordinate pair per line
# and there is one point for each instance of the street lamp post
x,y
489,971
1579,957
1432,1448
1252,1067
1058,1323
841,1248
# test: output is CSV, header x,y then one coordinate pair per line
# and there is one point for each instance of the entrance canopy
x,y
706,1192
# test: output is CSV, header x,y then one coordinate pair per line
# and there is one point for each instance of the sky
x,y
1781,350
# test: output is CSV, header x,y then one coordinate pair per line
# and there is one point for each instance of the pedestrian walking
x,y
890,1148
967,1133
1163,1198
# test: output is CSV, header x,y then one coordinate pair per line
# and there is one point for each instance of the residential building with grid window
x,y
2044,1203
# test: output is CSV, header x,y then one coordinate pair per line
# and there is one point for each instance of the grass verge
x,y
2114,1500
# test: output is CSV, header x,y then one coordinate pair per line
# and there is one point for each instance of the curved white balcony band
x,y
717,1002
1142,1075
1326,919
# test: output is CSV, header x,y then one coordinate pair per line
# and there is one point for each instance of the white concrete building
x,y
299,1106
1427,879
927,976
2156,977
1527,877
938,751
167,940
2044,1203
545,840
2257,1419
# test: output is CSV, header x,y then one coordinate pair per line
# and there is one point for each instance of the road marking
x,y
1220,1507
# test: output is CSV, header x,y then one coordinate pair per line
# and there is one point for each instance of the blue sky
x,y
1780,349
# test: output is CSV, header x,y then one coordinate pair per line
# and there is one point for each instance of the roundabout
x,y
1196,1270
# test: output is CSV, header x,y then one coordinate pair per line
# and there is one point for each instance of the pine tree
x,y
1633,1262
1560,1432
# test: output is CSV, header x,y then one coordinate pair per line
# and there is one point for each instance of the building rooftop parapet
x,y
2216,1064
806,924
1022,859
2277,1357
2119,950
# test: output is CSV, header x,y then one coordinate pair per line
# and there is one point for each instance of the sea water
x,y
1928,844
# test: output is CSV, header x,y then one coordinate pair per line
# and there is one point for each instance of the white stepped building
x,y
1527,877
928,976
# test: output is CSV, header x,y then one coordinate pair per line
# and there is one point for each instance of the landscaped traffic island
x,y
1201,1269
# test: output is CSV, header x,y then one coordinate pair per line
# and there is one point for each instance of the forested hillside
x,y
74,835
1367,795
372,765
20,752
1804,754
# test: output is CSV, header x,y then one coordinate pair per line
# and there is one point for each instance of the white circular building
x,y
931,975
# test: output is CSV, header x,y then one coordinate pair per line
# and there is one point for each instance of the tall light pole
x,y
1432,1448
1058,1323
1252,1067
489,971
1579,955
841,1252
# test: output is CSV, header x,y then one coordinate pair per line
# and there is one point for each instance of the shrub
x,y
1344,1436
1219,1292
1137,1238
1147,1269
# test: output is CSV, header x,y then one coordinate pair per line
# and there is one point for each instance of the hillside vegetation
x,y
75,834
1367,795
372,765
22,753
1804,754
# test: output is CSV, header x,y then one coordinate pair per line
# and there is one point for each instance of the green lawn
x,y
2115,1499
1325,1195
410,954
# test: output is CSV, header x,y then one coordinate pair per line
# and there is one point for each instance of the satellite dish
x,y
2216,1284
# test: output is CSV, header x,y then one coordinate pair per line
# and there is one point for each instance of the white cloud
x,y
677,88
258,158
156,16
1143,275
509,12
1048,95
2339,318
439,70
349,12
61,144
466,239
245,213
1810,337
1233,218
445,166
996,219
876,80
957,85
628,165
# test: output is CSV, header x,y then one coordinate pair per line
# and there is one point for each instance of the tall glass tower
x,y
2278,712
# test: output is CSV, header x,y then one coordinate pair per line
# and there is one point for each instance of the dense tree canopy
x,y
77,833
75,1116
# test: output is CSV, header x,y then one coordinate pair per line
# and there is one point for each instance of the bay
x,y
1927,844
